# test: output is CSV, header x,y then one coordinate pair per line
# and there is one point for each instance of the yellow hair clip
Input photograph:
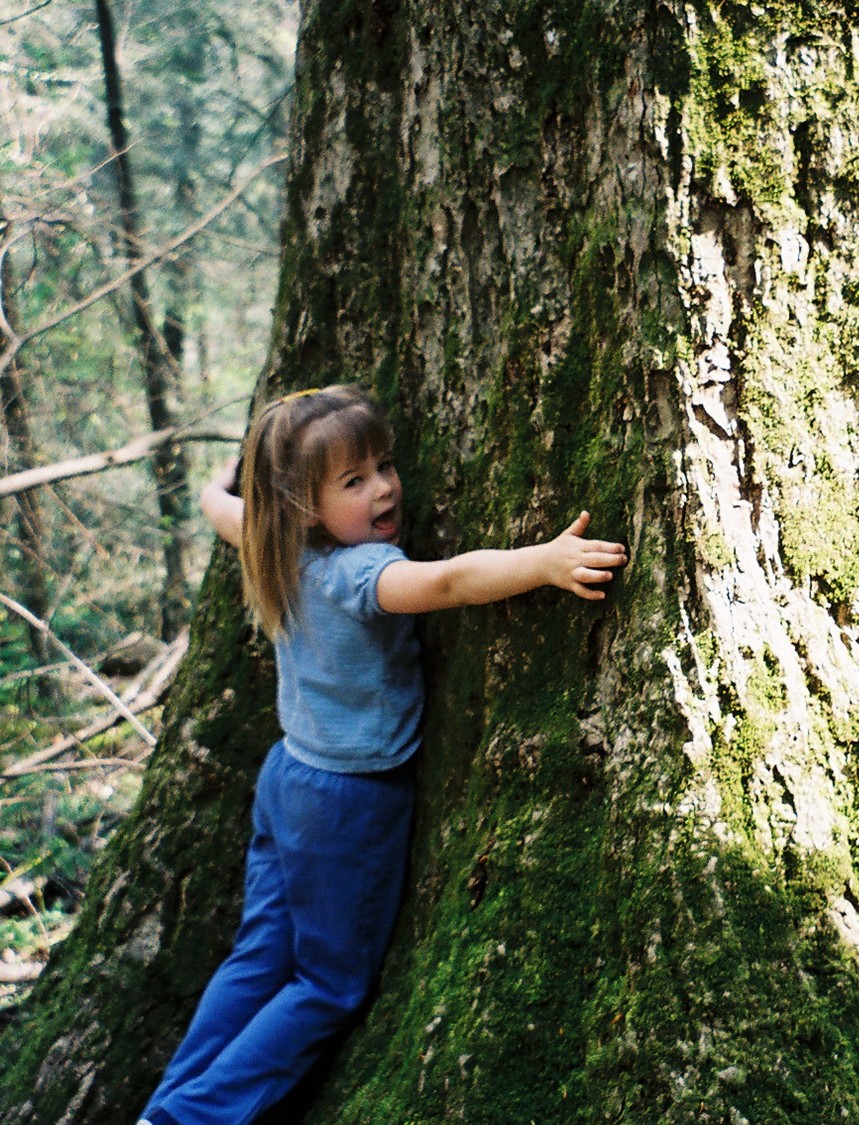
x,y
299,394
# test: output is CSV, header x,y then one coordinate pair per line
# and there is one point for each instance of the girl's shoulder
x,y
348,576
359,555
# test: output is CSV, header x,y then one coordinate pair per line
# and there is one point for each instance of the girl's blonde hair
x,y
290,449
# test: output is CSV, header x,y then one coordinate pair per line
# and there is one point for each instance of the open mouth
x,y
386,523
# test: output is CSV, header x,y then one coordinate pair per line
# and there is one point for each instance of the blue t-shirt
x,y
350,689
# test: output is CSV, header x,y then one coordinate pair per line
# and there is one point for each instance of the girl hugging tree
x,y
318,527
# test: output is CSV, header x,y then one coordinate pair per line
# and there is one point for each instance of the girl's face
x,y
360,501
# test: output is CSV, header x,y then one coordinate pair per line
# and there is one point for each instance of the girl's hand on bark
x,y
579,564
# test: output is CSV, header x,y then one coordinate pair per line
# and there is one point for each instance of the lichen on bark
x,y
595,255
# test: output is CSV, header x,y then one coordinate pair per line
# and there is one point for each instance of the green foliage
x,y
56,853
227,687
205,104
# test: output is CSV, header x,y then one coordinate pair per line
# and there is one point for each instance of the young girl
x,y
318,527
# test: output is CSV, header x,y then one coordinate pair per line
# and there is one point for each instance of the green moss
x,y
482,1025
715,550
791,374
732,1026
564,979
570,57
733,114
789,390
730,119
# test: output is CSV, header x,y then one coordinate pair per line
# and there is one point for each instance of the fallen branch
x,y
95,680
165,670
84,764
18,972
32,673
136,450
19,890
22,893
158,674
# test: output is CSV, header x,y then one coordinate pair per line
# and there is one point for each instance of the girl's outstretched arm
x,y
568,562
223,510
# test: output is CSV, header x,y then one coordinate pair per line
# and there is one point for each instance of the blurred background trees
x,y
124,124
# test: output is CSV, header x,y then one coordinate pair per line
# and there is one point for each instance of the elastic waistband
x,y
379,767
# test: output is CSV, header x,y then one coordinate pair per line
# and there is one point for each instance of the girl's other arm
x,y
223,510
568,562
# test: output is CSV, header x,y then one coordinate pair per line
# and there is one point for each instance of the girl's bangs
x,y
355,432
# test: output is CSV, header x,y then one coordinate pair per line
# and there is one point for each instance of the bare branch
x,y
23,15
15,343
31,673
95,680
18,890
86,764
22,892
241,244
136,450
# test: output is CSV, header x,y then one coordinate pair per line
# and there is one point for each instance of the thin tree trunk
x,y
28,513
594,255
181,272
169,461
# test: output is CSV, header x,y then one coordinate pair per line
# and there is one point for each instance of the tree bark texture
x,y
28,510
598,255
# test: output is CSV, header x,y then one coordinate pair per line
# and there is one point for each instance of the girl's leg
x,y
343,843
259,964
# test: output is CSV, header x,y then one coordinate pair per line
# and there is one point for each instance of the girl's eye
x,y
386,464
352,481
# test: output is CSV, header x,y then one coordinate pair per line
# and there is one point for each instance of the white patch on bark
x,y
760,619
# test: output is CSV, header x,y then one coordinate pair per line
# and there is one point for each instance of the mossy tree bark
x,y
595,255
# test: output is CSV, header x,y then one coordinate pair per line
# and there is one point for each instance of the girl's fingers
x,y
587,576
587,593
599,561
603,558
579,524
605,547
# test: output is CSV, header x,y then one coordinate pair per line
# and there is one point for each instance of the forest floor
x,y
60,810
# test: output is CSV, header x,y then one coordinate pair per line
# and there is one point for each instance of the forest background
x,y
128,129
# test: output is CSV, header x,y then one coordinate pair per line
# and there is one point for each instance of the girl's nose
x,y
383,484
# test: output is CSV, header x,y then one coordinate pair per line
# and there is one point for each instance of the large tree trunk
x,y
597,255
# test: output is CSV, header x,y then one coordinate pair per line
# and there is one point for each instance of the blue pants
x,y
325,872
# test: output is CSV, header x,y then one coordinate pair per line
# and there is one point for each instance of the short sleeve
x,y
350,576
